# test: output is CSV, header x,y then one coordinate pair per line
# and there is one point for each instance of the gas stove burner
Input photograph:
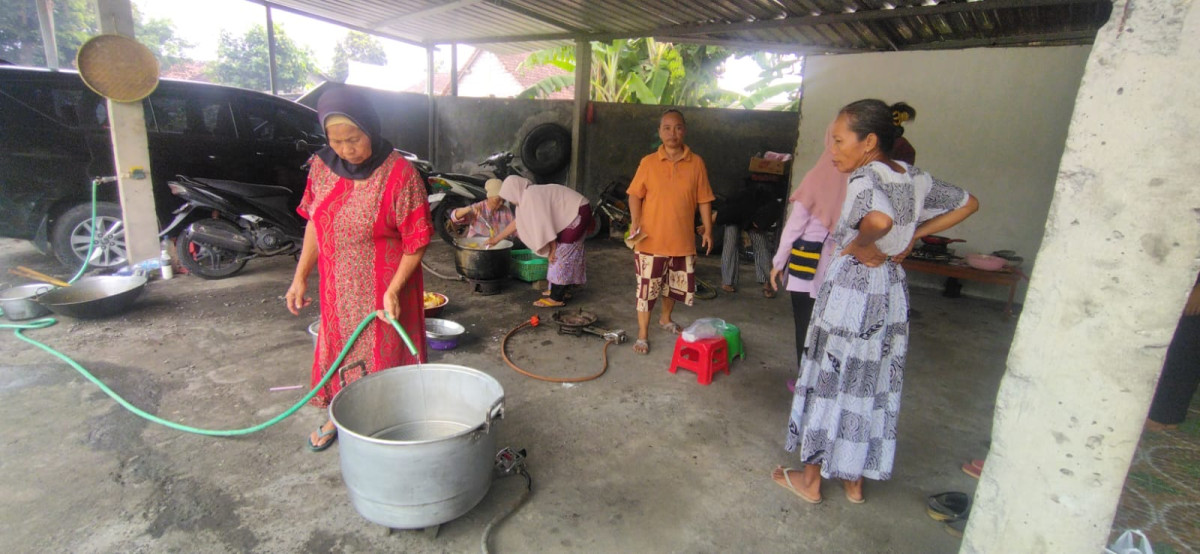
x,y
918,254
486,287
580,321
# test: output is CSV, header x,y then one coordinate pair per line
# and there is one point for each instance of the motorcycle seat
x,y
246,190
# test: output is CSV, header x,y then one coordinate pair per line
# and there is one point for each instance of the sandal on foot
x,y
787,484
671,327
566,296
548,303
853,500
641,347
768,292
728,288
973,468
321,434
948,506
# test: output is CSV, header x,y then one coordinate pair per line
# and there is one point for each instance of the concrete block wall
x,y
619,135
471,129
992,120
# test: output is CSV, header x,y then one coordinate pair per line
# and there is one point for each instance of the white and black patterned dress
x,y
847,398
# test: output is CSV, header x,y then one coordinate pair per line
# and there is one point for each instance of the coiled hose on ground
x,y
533,322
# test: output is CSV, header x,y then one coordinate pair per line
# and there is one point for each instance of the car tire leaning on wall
x,y
546,149
72,231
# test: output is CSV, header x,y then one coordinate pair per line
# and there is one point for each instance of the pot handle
x,y
495,412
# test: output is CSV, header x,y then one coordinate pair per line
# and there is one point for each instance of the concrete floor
x,y
639,460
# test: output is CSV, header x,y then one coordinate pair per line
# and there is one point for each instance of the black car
x,y
54,139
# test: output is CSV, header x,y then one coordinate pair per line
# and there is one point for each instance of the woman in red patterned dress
x,y
368,226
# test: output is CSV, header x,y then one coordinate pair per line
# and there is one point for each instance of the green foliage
x,y
359,47
642,71
242,62
159,36
74,23
780,75
21,36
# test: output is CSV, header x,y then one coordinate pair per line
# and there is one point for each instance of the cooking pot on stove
x,y
474,260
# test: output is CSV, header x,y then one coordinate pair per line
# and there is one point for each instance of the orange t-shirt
x,y
670,192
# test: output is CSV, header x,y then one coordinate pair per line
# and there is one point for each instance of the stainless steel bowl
x,y
20,302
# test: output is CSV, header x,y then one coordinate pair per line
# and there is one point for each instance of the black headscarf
x,y
352,104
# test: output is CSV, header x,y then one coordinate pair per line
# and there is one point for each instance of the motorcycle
x,y
610,211
451,191
247,221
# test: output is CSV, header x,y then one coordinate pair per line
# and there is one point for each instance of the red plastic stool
x,y
705,357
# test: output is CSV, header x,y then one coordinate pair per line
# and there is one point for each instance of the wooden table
x,y
1006,276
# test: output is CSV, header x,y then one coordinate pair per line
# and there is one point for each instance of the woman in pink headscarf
x,y
805,247
552,221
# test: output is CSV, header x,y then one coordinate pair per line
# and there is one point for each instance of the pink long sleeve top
x,y
801,224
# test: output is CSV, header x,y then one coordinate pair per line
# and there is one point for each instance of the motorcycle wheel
x,y
441,219
209,262
599,223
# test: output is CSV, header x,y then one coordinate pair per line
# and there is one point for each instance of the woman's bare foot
x,y
804,483
854,491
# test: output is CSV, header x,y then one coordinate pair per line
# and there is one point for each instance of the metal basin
x,y
19,302
417,443
94,297
474,262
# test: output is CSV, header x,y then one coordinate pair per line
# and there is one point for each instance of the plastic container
x,y
442,334
168,272
527,266
986,262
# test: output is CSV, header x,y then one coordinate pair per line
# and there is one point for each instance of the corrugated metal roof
x,y
807,26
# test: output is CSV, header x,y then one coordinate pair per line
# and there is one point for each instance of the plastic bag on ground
x,y
704,328
1131,542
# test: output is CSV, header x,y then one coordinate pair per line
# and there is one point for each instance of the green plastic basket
x,y
527,266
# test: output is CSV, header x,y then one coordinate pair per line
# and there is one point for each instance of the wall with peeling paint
x,y
991,120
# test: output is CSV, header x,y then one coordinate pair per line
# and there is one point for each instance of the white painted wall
x,y
991,120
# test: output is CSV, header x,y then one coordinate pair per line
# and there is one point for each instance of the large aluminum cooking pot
x,y
93,297
417,443
18,302
474,260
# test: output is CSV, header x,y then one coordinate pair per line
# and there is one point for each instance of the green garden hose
x,y
48,321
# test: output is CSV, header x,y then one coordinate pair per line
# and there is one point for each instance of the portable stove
x,y
579,321
486,287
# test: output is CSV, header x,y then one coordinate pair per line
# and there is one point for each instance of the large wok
x,y
94,297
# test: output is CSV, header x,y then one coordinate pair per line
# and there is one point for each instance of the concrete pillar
x,y
127,126
45,10
273,69
583,95
431,73
454,69
1118,259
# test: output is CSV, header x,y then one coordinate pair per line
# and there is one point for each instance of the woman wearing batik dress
x,y
552,221
847,399
368,226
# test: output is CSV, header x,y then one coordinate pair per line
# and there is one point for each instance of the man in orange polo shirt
x,y
668,187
